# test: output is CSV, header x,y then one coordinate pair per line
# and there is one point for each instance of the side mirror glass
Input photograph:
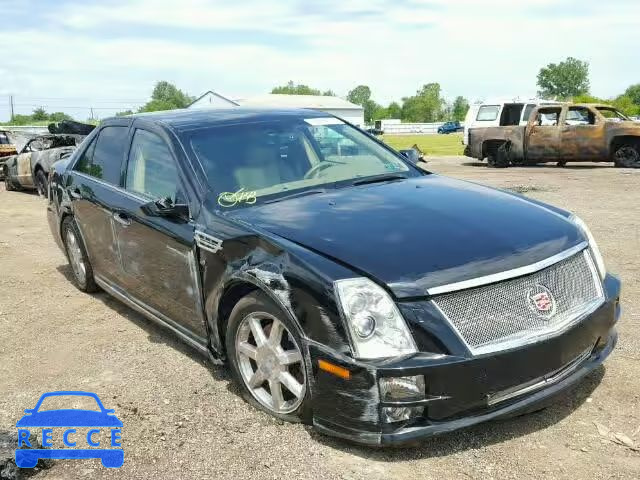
x,y
165,208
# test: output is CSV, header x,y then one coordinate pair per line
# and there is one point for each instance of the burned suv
x,y
344,286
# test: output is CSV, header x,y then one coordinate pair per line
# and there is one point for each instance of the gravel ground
x,y
184,419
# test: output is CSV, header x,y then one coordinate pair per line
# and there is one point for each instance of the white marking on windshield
x,y
323,121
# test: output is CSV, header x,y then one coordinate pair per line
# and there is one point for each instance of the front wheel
x,y
267,359
627,156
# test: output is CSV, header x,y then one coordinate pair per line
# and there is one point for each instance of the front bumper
x,y
462,391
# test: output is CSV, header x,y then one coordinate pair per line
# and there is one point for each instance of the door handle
x,y
122,218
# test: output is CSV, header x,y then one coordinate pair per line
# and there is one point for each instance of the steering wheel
x,y
317,168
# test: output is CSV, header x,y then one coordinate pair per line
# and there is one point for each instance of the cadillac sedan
x,y
345,287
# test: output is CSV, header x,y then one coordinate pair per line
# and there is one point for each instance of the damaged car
x,y
7,149
345,287
29,169
560,133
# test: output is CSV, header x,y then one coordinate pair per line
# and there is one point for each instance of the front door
x,y
543,135
157,253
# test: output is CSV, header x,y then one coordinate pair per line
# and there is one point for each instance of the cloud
x,y
96,54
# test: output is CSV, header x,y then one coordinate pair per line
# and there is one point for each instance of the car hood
x,y
419,233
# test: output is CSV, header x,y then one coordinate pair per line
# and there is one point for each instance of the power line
x,y
38,105
122,100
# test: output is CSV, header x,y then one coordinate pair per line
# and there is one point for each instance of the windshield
x,y
63,402
254,162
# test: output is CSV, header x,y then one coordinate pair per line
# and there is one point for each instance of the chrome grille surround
x,y
499,316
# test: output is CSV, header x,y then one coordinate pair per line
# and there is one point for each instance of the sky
x,y
69,55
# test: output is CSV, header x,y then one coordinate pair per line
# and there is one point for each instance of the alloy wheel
x,y
270,362
75,257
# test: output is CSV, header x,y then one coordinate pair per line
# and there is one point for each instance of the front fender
x,y
298,281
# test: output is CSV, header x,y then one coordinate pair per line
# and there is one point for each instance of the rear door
x,y
158,256
543,135
93,187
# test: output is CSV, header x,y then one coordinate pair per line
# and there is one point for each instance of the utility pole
x,y
11,104
91,113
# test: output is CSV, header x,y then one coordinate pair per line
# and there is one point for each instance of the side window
x,y
580,116
151,169
547,117
83,164
103,158
108,153
488,113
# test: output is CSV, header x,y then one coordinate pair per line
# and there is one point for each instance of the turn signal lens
x,y
334,369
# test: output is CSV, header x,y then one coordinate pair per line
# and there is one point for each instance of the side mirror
x,y
165,208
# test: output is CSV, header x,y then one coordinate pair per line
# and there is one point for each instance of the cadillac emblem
x,y
540,301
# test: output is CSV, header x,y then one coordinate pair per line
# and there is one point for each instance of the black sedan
x,y
344,286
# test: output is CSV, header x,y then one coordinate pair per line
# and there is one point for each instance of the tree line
x,y
427,105
567,80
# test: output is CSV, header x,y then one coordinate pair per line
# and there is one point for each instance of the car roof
x,y
194,119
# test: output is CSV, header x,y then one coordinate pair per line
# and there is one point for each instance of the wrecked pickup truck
x,y
561,133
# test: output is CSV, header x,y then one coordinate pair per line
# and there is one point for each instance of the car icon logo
x,y
68,419
541,301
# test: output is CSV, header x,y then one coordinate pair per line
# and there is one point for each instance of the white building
x,y
333,105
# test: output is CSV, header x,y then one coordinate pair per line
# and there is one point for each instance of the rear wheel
x,y
499,158
77,255
627,155
41,183
266,356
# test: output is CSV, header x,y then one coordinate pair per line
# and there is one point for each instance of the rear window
x,y
488,113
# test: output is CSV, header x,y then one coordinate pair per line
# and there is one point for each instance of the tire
x,y
248,361
627,155
8,184
77,256
500,157
41,183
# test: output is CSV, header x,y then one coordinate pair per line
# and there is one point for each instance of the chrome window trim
x,y
112,186
508,274
522,341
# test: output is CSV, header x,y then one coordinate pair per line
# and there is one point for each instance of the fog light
x,y
402,389
400,414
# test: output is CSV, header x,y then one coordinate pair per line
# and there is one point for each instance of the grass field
x,y
436,145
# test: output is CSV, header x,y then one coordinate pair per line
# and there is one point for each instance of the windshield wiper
x,y
304,193
385,177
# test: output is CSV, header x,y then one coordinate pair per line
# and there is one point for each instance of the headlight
x,y
595,251
376,326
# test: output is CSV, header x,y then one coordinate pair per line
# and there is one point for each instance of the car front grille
x,y
524,309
